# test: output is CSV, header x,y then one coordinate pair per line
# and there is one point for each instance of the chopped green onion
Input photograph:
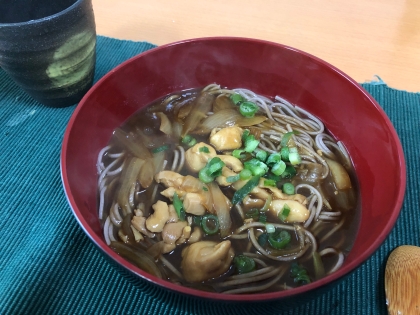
x,y
263,239
251,143
252,214
273,159
284,213
245,189
187,139
213,169
284,152
244,264
197,220
263,218
248,109
270,175
286,137
245,174
236,98
205,188
278,168
161,148
204,149
289,172
318,266
269,183
270,228
294,158
299,274
288,188
215,166
232,179
210,224
245,135
179,207
192,142
238,154
256,167
260,154
279,239
204,176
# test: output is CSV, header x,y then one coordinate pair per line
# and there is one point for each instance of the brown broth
x,y
146,123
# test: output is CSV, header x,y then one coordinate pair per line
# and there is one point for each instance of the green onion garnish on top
x,y
245,189
279,239
189,140
204,149
179,207
244,264
284,213
211,170
236,99
260,154
256,167
288,188
160,149
251,143
210,224
286,138
248,109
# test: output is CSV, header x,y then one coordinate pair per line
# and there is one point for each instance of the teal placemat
x,y
49,266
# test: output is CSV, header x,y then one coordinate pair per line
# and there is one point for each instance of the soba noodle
x,y
184,195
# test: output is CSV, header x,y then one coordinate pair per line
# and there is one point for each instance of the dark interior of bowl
x,y
348,112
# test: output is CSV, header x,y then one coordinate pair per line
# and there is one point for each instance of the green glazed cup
x,y
49,48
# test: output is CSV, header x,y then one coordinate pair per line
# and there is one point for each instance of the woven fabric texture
x,y
49,266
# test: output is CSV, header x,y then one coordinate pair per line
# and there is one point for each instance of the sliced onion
x,y
228,117
146,173
128,178
198,112
138,257
222,206
222,102
165,124
135,147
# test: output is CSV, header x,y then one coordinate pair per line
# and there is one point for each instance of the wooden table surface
x,y
363,38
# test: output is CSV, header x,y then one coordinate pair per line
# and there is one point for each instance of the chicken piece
x,y
278,194
173,216
222,179
231,162
205,260
196,235
183,185
139,224
298,212
170,191
197,159
186,233
232,168
137,235
172,231
157,220
193,204
229,138
169,178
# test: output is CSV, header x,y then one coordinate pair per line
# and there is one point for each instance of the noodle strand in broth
x,y
228,191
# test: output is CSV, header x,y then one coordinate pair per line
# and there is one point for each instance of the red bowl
x,y
347,110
